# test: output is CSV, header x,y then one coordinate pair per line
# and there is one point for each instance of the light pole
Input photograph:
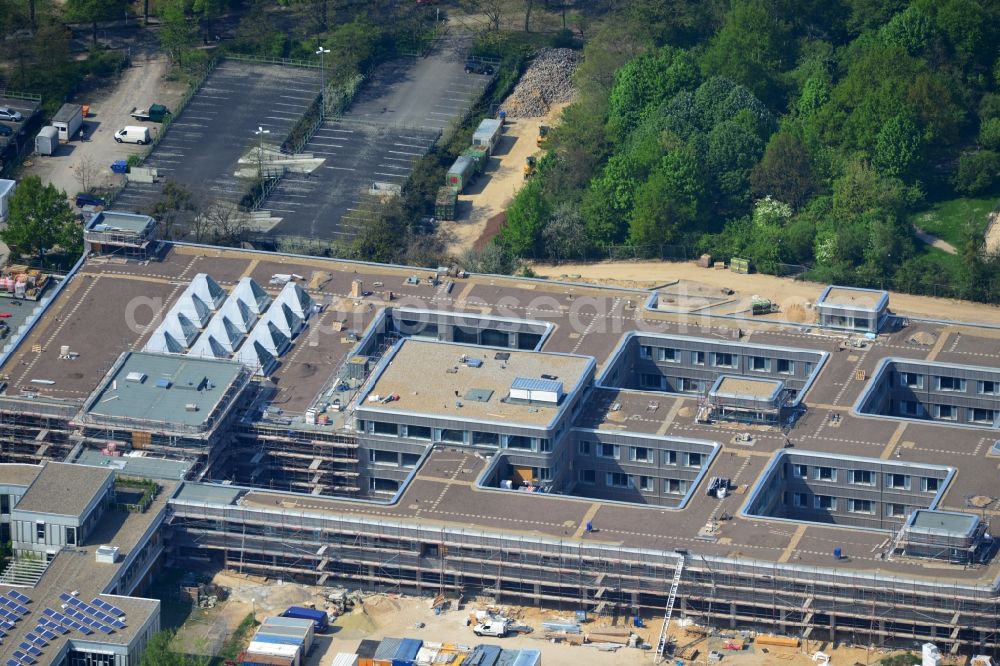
x,y
253,605
321,52
260,153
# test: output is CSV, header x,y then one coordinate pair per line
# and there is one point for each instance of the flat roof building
x,y
853,309
114,232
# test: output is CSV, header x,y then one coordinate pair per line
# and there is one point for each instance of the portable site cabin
x,y
47,140
487,135
68,120
461,173
6,192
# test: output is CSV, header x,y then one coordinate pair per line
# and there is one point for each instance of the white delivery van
x,y
132,134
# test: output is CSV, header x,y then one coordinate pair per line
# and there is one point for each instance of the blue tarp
x,y
407,652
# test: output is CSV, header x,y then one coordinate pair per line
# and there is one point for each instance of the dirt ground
x,y
141,84
382,615
786,292
497,185
992,244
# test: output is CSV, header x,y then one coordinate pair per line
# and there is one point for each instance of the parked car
x,y
476,67
6,130
7,113
88,200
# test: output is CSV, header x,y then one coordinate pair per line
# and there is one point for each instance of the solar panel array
x,y
13,610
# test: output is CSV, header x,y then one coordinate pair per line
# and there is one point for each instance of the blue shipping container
x,y
322,622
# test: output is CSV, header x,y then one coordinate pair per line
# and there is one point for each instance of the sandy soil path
x,y
647,274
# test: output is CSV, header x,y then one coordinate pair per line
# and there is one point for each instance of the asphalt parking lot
x,y
204,143
395,120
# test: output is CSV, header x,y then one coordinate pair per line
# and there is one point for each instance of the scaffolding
x,y
815,603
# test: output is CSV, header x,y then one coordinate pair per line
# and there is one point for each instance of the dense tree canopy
x,y
802,134
40,219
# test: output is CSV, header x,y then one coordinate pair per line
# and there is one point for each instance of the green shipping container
x,y
479,155
444,204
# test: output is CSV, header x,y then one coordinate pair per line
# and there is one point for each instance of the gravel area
x,y
547,81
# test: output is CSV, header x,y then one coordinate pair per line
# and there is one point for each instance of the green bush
x,y
105,63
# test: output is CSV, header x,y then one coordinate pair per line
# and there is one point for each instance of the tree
x,y
977,172
208,10
526,216
785,172
39,219
897,147
226,223
93,11
176,31
86,173
989,134
644,83
733,150
752,47
564,236
175,203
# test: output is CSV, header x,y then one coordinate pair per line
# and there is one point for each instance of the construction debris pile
x,y
547,81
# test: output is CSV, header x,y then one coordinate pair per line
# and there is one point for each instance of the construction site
x,y
560,445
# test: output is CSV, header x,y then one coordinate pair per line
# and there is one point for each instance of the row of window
x,y
717,359
952,384
862,506
865,477
630,482
378,457
948,412
471,437
641,454
681,385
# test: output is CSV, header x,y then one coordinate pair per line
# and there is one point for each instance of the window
x,y
5,504
418,432
380,428
802,471
861,324
693,460
894,510
454,436
382,485
646,484
930,484
584,448
485,438
951,384
824,473
760,364
383,457
786,367
608,451
667,354
977,415
801,499
648,380
897,481
724,360
588,476
410,459
910,408
698,358
545,445
70,536
542,473
618,480
645,352
691,385
518,442
860,506
862,477
989,387
40,532
674,486
911,379
640,454
947,412
825,502
669,457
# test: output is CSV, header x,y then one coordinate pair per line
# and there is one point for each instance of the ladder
x,y
671,599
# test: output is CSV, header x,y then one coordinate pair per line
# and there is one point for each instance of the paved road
x,y
394,121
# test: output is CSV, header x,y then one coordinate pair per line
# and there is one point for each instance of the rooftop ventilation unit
x,y
191,407
106,555
137,377
536,390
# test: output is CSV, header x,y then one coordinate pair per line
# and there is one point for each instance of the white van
x,y
132,134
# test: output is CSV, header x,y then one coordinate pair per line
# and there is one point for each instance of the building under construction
x,y
557,444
